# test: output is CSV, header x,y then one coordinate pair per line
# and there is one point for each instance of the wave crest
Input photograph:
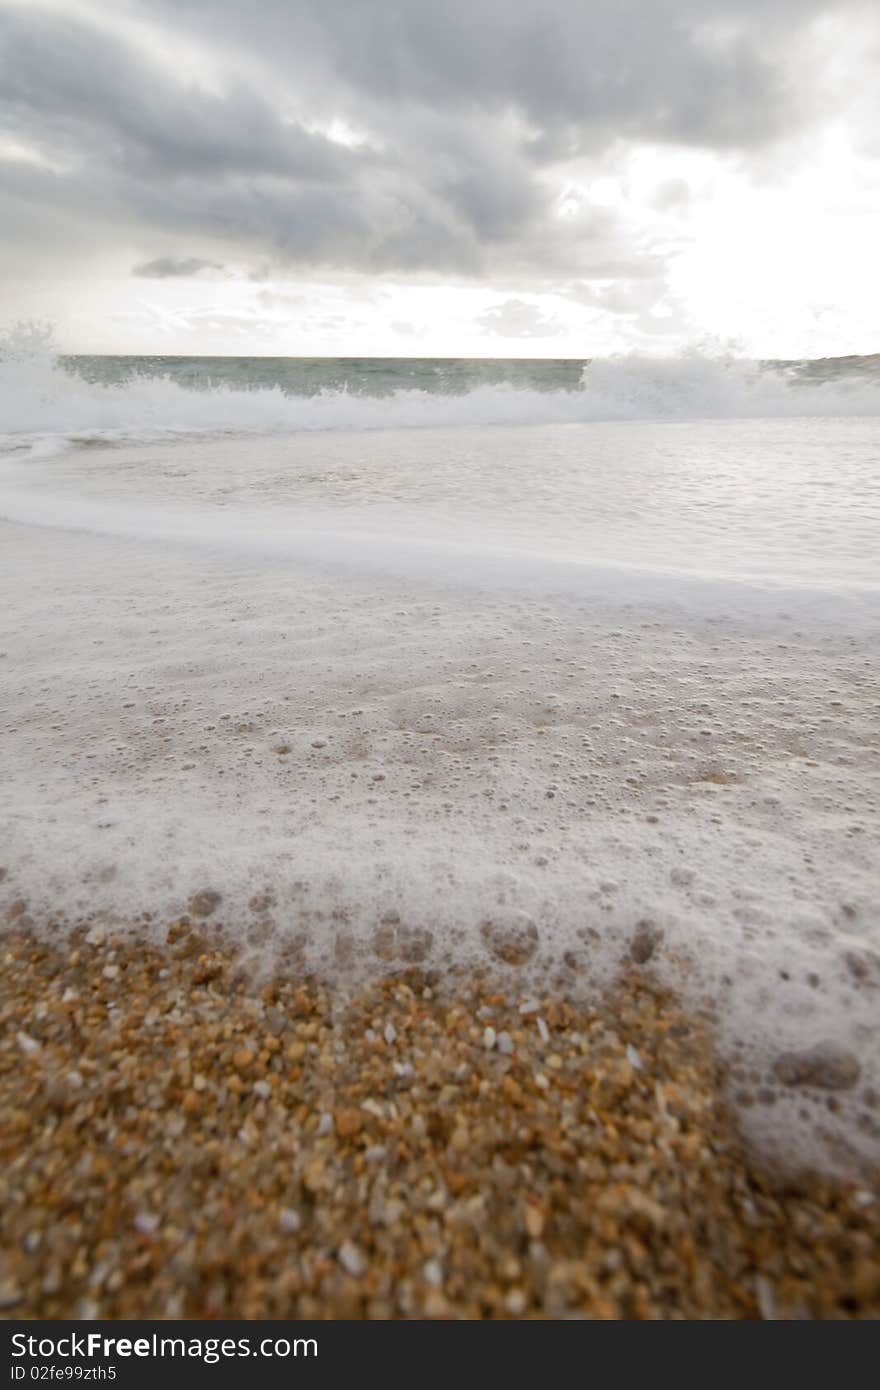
x,y
45,404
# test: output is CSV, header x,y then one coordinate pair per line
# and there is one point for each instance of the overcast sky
x,y
488,177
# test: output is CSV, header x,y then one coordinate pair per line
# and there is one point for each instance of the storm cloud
x,y
176,267
382,136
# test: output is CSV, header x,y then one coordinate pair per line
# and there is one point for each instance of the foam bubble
x,y
433,804
555,703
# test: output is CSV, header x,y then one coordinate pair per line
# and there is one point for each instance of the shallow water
x,y
414,692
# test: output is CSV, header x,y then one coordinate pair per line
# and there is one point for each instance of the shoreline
x,y
180,1139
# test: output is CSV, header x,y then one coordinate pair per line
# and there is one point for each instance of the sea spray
x,y
43,396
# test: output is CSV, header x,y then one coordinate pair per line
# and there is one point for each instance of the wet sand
x,y
181,1139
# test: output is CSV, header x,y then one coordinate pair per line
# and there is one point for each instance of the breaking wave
x,y
45,404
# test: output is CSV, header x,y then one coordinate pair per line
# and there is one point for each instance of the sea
x,y
502,665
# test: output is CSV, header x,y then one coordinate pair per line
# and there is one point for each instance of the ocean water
x,y
458,662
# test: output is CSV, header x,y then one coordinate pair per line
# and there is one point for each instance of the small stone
x,y
513,941
242,1058
435,1305
313,1177
863,965
432,1273
766,1298
146,1223
352,1259
489,1038
534,1218
645,941
204,903
10,1295
460,1140
29,1046
827,1066
515,1302
289,1221
349,1122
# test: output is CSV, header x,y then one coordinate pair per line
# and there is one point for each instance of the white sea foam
x,y
405,697
45,407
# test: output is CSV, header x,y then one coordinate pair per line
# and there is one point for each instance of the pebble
x,y
514,942
352,1259
435,1305
348,1122
225,1146
204,903
644,943
825,1065
534,1220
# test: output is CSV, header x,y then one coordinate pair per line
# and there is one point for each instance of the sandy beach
x,y
182,1140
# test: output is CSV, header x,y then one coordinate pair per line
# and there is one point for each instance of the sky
x,y
460,177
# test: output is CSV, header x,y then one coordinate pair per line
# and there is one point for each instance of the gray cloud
x,y
465,115
78,91
697,71
172,267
